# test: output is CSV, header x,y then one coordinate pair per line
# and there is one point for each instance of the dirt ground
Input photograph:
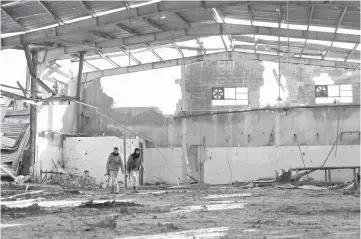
x,y
216,212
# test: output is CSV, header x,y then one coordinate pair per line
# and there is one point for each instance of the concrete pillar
x,y
184,132
277,127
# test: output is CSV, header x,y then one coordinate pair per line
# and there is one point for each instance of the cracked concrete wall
x,y
313,126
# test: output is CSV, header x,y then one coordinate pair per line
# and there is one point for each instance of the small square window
x,y
242,96
229,102
346,87
230,93
242,102
346,93
333,90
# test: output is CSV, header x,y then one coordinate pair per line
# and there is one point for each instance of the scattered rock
x,y
124,210
4,208
155,217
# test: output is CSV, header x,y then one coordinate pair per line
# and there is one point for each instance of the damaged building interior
x,y
230,119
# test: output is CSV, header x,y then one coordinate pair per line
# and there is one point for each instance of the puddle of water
x,y
151,192
345,233
250,230
219,202
208,207
236,195
61,203
9,225
287,237
216,232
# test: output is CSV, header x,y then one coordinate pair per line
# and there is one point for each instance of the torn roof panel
x,y
30,14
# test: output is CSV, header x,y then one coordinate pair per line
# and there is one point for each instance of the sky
x,y
155,88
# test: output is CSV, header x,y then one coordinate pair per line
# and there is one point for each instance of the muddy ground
x,y
216,212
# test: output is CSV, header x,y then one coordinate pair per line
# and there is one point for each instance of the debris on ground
x,y
312,187
351,188
263,183
33,207
72,182
107,223
285,176
287,186
92,204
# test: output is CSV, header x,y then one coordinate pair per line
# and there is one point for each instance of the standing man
x,y
113,164
133,165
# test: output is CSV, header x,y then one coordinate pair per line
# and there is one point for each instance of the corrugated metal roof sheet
x,y
67,10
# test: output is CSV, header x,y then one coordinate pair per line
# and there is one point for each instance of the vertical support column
x,y
202,159
329,175
125,162
277,133
80,73
184,132
32,69
79,90
325,175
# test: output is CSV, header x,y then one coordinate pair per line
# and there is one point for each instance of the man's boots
x,y
135,189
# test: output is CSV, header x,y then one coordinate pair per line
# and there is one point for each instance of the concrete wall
x,y
298,82
254,129
251,163
159,170
91,153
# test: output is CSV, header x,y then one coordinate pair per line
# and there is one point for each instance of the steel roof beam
x,y
182,19
153,52
153,24
199,31
336,28
133,32
313,46
16,21
48,10
103,21
223,56
351,52
251,19
108,59
105,36
308,26
201,46
177,48
213,12
126,29
129,54
89,10
126,4
75,56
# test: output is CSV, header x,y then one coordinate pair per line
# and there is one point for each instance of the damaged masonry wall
x,y
246,140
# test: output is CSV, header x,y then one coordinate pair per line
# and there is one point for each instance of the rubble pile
x,y
73,182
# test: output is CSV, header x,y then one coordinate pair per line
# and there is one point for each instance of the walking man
x,y
133,165
113,164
